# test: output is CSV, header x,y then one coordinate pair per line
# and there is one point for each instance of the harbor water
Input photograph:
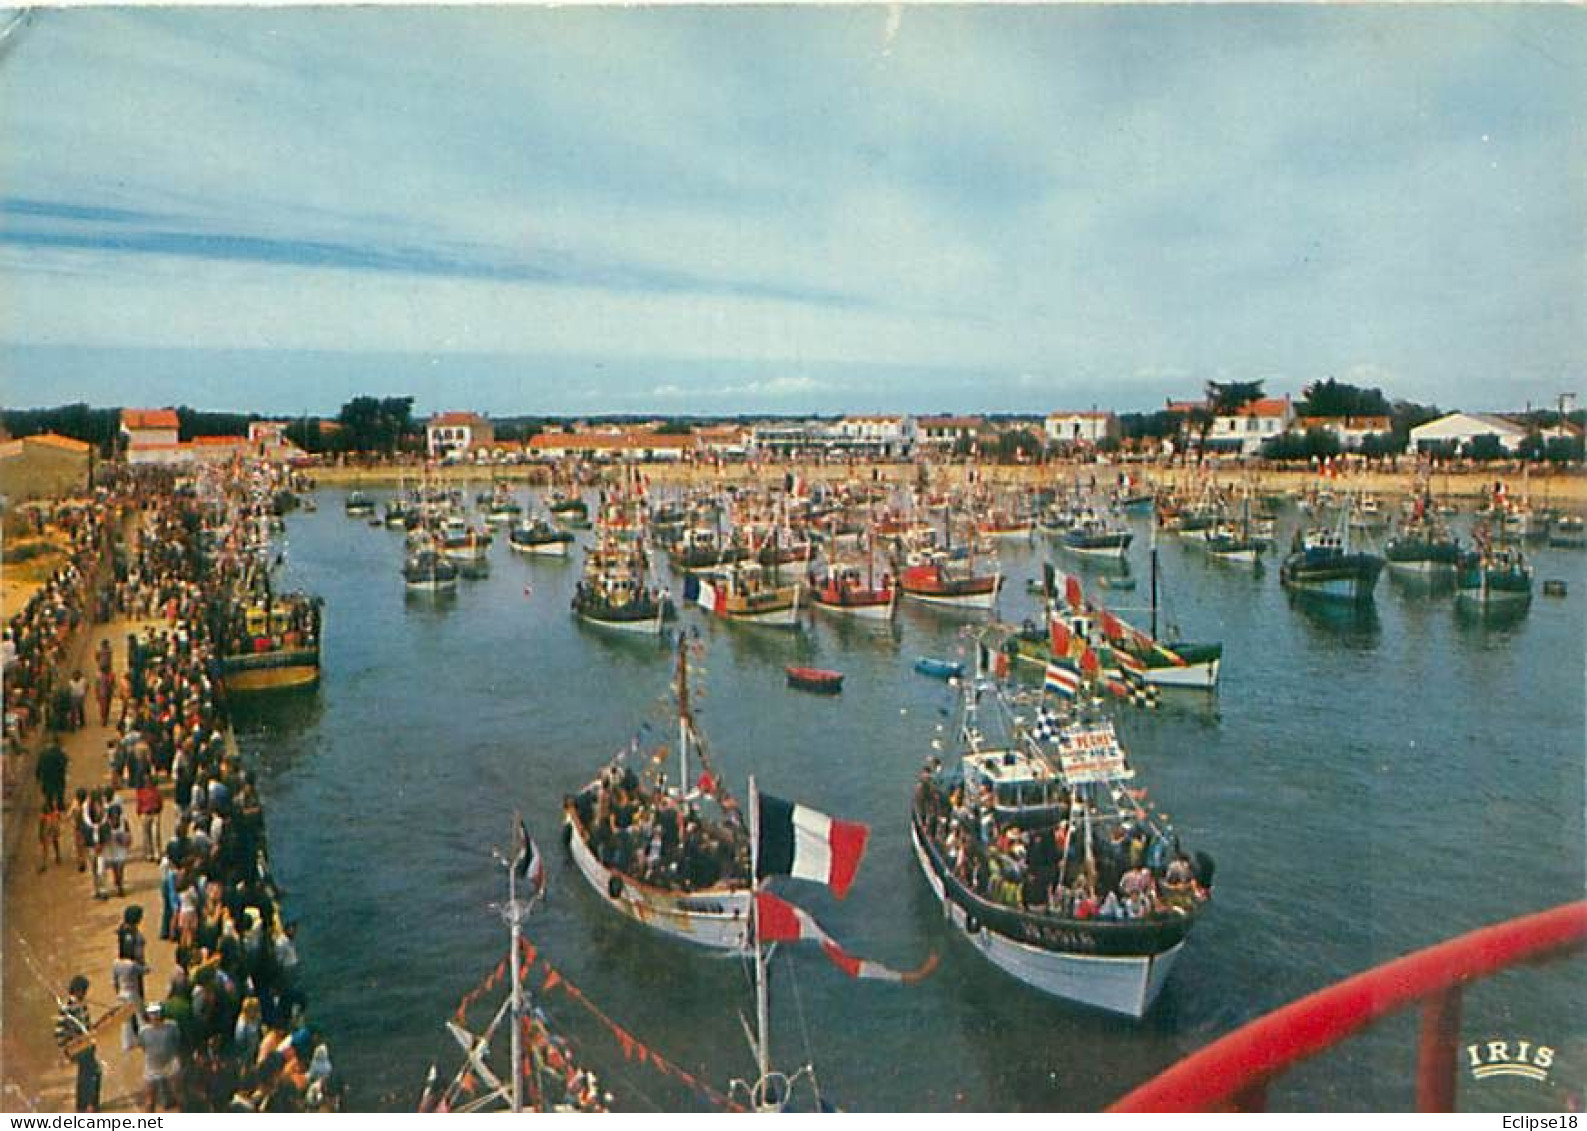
x,y
1368,783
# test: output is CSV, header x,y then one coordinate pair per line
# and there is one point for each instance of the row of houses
x,y
152,435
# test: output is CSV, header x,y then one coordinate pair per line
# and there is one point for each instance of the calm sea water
x,y
1367,784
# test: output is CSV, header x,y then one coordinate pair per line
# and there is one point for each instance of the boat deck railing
x,y
1233,1073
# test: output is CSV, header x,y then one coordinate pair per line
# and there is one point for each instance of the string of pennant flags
x,y
552,980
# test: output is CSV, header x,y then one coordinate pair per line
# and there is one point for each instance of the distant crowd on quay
x,y
230,1030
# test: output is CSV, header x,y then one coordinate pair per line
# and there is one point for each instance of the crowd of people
x,y
655,836
230,1029
1129,870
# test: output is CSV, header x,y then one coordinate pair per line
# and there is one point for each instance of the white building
x,y
1459,428
447,433
1251,425
885,436
1351,431
1080,427
942,433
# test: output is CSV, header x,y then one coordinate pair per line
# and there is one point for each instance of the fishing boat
x,y
701,549
616,591
461,542
746,593
1493,577
847,591
1322,562
823,681
1046,859
1568,532
937,583
671,856
359,503
537,536
938,669
1230,543
503,510
570,511
428,571
270,641
1094,536
1125,653
400,514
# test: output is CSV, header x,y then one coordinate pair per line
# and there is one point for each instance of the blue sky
x,y
790,209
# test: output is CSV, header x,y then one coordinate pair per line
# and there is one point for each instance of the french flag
x,y
528,865
777,920
798,841
1061,680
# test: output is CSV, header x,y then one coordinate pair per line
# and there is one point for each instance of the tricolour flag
x,y
777,920
1061,680
798,841
528,864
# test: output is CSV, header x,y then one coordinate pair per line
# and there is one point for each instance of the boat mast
x,y
684,720
515,918
762,1005
1155,518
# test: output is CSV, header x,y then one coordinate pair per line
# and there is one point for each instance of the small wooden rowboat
x,y
815,679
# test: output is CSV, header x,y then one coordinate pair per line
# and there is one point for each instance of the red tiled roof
x,y
218,441
141,418
1267,406
453,419
1080,415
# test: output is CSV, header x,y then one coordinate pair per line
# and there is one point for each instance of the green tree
x,y
1563,449
1531,446
305,433
371,424
1376,445
1226,397
1485,447
1335,398
1406,415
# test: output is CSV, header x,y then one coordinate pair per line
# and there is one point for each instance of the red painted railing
x,y
1233,1073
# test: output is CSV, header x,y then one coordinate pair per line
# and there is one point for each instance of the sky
x,y
790,209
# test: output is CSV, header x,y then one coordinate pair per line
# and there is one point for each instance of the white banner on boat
x,y
1091,755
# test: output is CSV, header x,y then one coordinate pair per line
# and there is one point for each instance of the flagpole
x,y
762,1021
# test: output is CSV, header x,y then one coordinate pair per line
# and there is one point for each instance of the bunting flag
x,y
798,841
1000,665
1072,593
1061,680
1058,636
1111,627
779,921
1090,665
529,864
1128,664
1047,725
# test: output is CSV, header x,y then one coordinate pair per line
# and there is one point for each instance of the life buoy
x,y
614,887
972,925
